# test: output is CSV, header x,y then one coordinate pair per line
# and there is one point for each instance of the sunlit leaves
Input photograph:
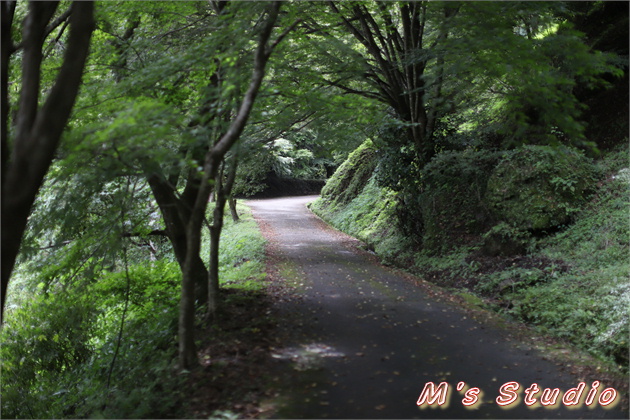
x,y
517,53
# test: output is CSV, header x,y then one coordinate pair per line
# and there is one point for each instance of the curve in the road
x,y
367,341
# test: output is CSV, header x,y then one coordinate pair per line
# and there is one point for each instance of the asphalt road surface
x,y
367,341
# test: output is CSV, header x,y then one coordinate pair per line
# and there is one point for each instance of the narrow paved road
x,y
366,340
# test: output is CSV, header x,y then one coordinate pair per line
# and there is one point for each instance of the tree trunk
x,y
222,191
215,238
7,13
38,129
233,212
187,353
213,272
175,214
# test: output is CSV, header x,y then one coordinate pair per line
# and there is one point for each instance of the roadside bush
x,y
580,308
37,349
61,356
590,302
58,348
452,200
540,187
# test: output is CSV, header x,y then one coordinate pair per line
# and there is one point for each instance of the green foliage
x,y
511,280
587,302
399,170
515,87
452,201
367,216
444,268
601,228
505,239
293,158
583,294
539,187
398,167
242,254
76,230
58,347
164,80
353,201
524,63
591,310
351,177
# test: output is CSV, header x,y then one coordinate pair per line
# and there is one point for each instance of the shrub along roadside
x,y
58,347
540,187
571,282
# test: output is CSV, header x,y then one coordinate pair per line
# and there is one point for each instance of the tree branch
x,y
63,18
282,35
33,35
57,38
260,61
279,133
347,23
157,232
364,93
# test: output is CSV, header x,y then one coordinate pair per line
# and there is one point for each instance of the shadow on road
x,y
365,341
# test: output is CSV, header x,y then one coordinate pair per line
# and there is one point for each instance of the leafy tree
x,y
214,128
176,99
28,148
398,44
515,85
516,53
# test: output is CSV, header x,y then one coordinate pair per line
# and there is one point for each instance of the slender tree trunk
x,y
215,239
213,272
187,351
233,212
223,191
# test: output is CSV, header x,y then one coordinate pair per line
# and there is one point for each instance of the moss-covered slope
x,y
354,203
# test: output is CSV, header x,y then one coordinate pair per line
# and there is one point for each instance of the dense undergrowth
x,y
107,347
570,280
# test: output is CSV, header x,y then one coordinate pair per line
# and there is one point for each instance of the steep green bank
x,y
353,202
542,237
